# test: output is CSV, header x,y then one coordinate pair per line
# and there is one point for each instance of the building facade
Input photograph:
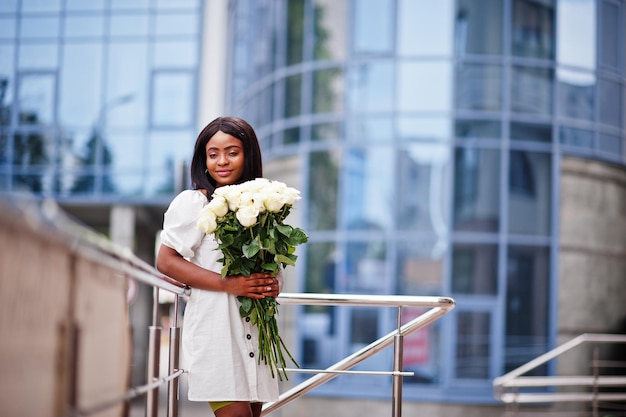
x,y
467,148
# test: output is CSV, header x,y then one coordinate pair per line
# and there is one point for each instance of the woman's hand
x,y
257,285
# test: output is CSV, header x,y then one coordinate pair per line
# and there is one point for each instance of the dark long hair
x,y
237,128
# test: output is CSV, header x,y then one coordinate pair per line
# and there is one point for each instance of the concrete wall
x,y
63,319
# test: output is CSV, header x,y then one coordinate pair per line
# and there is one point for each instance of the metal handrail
x,y
514,380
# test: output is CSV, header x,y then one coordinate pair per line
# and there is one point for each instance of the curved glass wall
x,y
97,98
430,135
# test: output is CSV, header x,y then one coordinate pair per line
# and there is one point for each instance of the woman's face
x,y
224,158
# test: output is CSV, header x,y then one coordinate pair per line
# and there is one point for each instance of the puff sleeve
x,y
180,231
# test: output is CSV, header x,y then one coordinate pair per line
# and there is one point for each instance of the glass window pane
x,y
7,80
531,132
8,6
295,31
370,129
576,137
7,28
370,14
329,25
425,27
126,84
413,129
293,95
424,86
129,4
80,91
169,24
172,96
75,5
33,150
477,190
38,56
363,172
610,143
477,129
175,54
322,190
370,87
420,267
422,200
177,4
479,87
533,29
527,295
530,191
129,25
39,27
421,352
609,33
475,269
332,131
36,94
83,26
478,27
576,36
610,95
328,91
41,5
365,267
473,348
531,90
167,154
576,94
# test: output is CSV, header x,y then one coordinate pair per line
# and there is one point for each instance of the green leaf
x,y
251,249
272,267
284,229
285,260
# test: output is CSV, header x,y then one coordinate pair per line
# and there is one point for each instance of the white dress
x,y
219,348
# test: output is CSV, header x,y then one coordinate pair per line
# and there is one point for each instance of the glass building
x,y
434,141
430,137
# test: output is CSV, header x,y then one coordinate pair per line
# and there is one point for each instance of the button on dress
x,y
219,348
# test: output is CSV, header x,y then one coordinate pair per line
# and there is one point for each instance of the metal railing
x,y
436,308
514,388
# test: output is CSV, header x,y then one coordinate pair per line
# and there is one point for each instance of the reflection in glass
x,y
129,4
477,190
80,92
576,33
610,96
322,192
38,56
530,191
531,132
527,295
171,24
83,26
424,86
533,29
531,90
332,131
479,87
610,143
7,28
478,27
75,5
576,137
8,6
171,99
167,153
36,99
7,80
291,135
419,267
370,87
475,269
365,267
369,129
41,5
39,27
327,91
329,25
425,28
33,154
369,14
175,54
473,349
295,31
363,208
293,95
609,44
476,128
576,94
422,202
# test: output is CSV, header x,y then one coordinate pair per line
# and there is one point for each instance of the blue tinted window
x,y
373,26
424,86
425,28
370,87
171,99
83,26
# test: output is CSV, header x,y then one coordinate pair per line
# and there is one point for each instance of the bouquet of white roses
x,y
248,222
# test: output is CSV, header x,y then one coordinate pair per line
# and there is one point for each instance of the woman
x,y
219,348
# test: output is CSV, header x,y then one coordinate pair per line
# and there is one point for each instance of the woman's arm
x,y
172,264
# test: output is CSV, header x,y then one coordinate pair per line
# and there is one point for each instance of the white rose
x,y
207,221
273,202
257,184
218,206
233,197
291,195
247,216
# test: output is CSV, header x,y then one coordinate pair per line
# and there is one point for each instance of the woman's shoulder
x,y
188,198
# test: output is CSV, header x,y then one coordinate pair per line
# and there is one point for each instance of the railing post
x,y
398,341
154,350
172,390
